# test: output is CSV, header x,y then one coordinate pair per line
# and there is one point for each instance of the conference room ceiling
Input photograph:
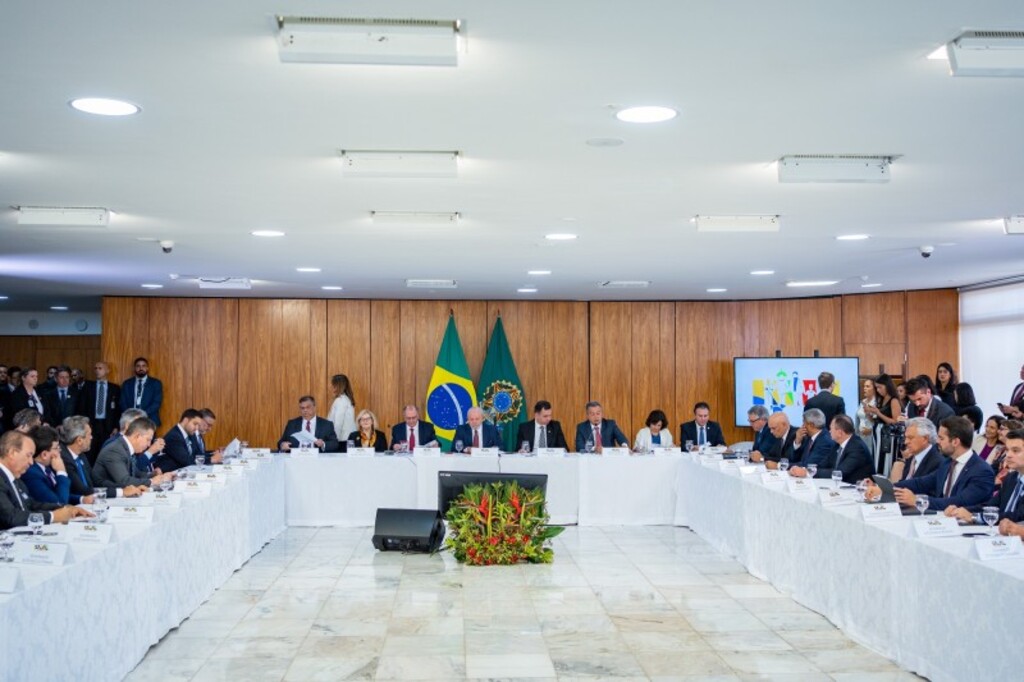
x,y
231,140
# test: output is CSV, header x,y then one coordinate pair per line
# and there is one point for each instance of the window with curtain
x,y
992,342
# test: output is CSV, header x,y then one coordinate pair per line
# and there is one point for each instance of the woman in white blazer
x,y
654,434
343,410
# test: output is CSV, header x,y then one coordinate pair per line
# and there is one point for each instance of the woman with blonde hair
x,y
367,435
343,410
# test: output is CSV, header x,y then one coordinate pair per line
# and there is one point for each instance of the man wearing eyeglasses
x,y
764,441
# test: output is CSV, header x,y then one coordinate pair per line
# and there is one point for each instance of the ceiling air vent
x,y
624,284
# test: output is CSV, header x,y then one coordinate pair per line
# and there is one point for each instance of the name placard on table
x,y
426,452
831,497
615,452
550,452
710,460
168,499
250,464
136,514
215,478
936,527
998,547
90,533
39,553
361,452
887,511
198,488
256,453
729,466
485,452
10,579
230,469
774,478
305,453
801,486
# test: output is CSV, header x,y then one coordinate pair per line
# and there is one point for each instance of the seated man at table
x,y
16,451
412,433
599,432
962,480
920,455
116,465
542,431
209,419
1010,499
475,433
784,435
701,430
180,446
76,442
25,421
126,418
764,441
812,444
46,480
321,431
849,455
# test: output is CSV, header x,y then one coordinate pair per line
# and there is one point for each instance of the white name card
x,y
801,486
255,452
143,500
747,469
426,452
137,514
249,464
169,499
38,553
231,470
729,466
197,488
550,452
710,460
90,533
831,498
774,478
615,452
936,527
361,452
305,453
485,452
10,579
998,547
216,478
881,512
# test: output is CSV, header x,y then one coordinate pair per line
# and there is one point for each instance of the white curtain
x,y
992,342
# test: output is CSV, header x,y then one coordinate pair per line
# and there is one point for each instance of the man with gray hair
x,y
920,457
598,431
764,441
812,444
475,433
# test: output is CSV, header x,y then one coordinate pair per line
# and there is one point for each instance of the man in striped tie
x,y
1010,499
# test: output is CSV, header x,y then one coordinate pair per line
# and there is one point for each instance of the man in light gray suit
x,y
115,465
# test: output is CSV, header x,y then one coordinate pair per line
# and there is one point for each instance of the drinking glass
x,y
349,444
812,469
689,446
459,446
244,444
6,543
921,502
99,507
990,515
784,464
862,488
200,461
402,446
524,446
35,523
588,447
837,478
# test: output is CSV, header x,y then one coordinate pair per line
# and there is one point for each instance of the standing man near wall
x,y
143,391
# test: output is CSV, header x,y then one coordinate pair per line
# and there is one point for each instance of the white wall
x,y
49,323
992,342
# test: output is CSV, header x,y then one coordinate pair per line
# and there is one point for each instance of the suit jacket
x,y
829,403
488,433
87,406
39,487
114,466
782,448
973,488
322,430
1003,500
1019,403
152,397
67,407
688,431
179,451
11,513
19,401
764,441
81,487
424,433
380,443
816,453
936,412
929,463
610,434
555,437
856,463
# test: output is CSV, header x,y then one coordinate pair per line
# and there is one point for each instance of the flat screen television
x,y
451,483
785,384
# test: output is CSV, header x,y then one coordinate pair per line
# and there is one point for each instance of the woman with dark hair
x,y
654,433
886,411
343,409
957,394
988,441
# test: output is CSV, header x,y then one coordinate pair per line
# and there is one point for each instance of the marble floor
x,y
653,603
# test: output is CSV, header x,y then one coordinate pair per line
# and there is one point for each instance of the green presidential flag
x,y
501,393
451,392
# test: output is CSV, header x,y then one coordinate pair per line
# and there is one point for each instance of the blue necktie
x,y
1016,495
81,471
702,439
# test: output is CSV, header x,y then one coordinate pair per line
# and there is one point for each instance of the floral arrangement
x,y
499,524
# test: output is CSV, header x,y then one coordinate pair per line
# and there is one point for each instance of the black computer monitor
x,y
451,483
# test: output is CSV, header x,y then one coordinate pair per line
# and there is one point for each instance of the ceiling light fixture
x,y
371,163
737,223
307,269
813,283
560,237
266,233
939,54
351,40
63,215
1014,224
331,288
852,237
152,286
716,291
538,272
873,285
987,53
646,114
102,106
4,298
415,217
624,284
835,168
762,272
527,290
60,308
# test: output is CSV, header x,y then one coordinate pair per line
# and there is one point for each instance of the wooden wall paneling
x,y
41,351
872,355
305,346
262,363
126,333
216,381
384,361
819,321
874,318
933,330
170,356
18,350
348,349
611,366
653,363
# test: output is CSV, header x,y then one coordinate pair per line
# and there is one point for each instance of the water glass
x,y
99,508
921,502
784,464
6,543
35,523
862,488
990,515
689,446
349,444
459,446
588,447
402,446
812,470
837,478
524,446
200,461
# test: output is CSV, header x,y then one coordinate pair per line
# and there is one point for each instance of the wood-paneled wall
x,y
43,351
250,359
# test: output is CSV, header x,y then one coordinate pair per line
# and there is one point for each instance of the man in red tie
x,y
475,433
597,433
320,430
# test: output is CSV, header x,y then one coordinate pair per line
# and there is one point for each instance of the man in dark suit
x,y
206,424
924,404
413,432
825,400
64,395
542,431
701,430
46,480
598,431
16,451
100,401
920,457
1015,408
143,391
764,441
76,440
1010,500
26,396
962,480
180,445
116,467
320,430
784,435
849,455
476,433
5,398
812,444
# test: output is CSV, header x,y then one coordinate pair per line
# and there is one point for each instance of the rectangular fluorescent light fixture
x,y
224,283
415,217
987,53
1014,224
371,163
813,283
624,284
340,40
834,168
66,216
431,283
737,223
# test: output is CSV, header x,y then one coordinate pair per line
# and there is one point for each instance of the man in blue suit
x,y
849,454
321,430
599,431
143,391
476,433
180,445
46,479
812,444
1010,500
764,440
701,430
962,480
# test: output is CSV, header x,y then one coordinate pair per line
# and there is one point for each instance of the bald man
x,y
475,433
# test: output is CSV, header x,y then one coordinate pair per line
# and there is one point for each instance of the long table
x,y
115,601
924,603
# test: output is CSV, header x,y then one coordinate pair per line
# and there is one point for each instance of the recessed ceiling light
x,y
873,285
717,291
152,286
560,236
104,107
853,237
813,283
646,114
331,288
762,272
266,233
538,272
527,290
939,54
307,269
58,307
3,298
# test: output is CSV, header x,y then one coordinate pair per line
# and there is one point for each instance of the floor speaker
x,y
408,530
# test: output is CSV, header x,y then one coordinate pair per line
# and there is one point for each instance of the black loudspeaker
x,y
408,530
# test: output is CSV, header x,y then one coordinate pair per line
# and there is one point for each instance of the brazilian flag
x,y
451,392
501,393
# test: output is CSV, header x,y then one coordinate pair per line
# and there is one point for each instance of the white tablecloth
x,y
114,602
923,603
